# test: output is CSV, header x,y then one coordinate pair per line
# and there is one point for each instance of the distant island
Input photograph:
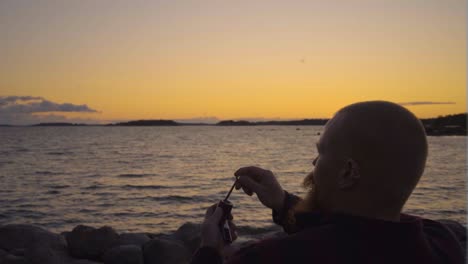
x,y
59,124
452,125
304,122
147,123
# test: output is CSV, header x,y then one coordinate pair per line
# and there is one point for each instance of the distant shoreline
x,y
452,125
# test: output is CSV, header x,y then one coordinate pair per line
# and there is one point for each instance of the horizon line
x,y
188,121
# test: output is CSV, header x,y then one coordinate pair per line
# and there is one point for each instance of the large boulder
x,y
3,253
19,251
162,251
12,259
137,239
190,235
42,254
126,254
81,261
91,243
15,237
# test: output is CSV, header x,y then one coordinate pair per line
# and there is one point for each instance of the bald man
x,y
370,157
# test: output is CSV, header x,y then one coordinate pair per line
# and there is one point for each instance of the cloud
x,y
426,103
5,100
30,104
22,110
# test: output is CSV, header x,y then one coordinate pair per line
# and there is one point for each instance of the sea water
x,y
154,179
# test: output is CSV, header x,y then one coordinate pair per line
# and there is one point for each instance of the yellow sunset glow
x,y
270,59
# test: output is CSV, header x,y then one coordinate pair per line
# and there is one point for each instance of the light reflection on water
x,y
153,179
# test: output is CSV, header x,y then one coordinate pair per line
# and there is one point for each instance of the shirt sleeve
x,y
206,255
285,217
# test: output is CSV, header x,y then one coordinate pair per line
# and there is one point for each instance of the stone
x,y
12,259
137,239
17,251
24,236
89,242
190,235
42,254
82,261
3,253
125,254
161,251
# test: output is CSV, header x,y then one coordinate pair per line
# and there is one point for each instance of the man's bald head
x,y
388,140
371,156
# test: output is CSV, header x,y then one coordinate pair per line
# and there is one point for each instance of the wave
x,y
144,187
93,187
48,173
58,153
451,212
136,214
106,205
105,194
27,213
175,198
22,150
85,210
131,175
434,188
171,198
58,186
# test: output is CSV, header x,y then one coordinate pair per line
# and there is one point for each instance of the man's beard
x,y
309,203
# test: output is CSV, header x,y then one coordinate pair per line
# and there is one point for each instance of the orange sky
x,y
236,59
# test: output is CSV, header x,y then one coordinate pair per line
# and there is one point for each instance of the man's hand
x,y
211,233
263,183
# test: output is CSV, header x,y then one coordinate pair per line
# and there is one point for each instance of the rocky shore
x,y
29,244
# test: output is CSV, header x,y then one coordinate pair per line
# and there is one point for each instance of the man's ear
x,y
350,175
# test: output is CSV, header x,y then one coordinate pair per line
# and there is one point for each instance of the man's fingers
x,y
249,185
250,171
217,215
210,210
233,228
247,191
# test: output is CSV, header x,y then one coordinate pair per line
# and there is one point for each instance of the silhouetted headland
x,y
235,123
148,123
59,124
450,125
304,122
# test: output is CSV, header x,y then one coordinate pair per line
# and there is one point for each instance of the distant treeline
x,y
446,125
304,122
442,125
147,123
59,124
